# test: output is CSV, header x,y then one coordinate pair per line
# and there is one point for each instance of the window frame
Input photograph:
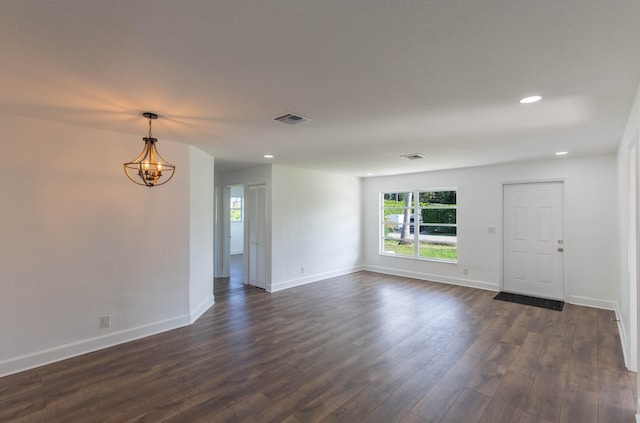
x,y
415,210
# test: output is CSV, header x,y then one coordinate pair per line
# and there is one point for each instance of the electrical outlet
x,y
105,322
301,269
465,271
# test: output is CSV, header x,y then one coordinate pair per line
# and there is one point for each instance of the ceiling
x,y
378,79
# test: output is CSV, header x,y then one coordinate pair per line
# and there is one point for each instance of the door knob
x,y
560,249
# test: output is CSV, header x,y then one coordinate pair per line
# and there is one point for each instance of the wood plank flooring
x,y
360,348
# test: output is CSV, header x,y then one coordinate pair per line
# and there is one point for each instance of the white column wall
x,y
80,241
591,239
201,169
628,305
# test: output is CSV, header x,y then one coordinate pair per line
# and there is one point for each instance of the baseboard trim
x,y
201,308
279,286
592,302
469,283
73,349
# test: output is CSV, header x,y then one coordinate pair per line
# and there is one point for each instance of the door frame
x,y
267,249
633,247
564,182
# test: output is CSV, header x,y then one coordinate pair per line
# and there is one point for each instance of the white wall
x,y
237,228
80,241
316,226
253,175
591,246
201,232
628,305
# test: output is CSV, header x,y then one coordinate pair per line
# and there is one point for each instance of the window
x,y
433,235
235,210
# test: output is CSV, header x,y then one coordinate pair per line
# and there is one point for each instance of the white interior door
x,y
533,239
256,221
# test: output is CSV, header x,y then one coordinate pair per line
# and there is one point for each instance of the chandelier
x,y
149,168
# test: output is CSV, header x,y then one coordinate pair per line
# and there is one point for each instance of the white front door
x,y
256,220
533,239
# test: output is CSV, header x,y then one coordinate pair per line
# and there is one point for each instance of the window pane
x,y
392,246
439,215
438,242
438,197
391,230
236,215
236,202
397,210
439,230
438,251
397,202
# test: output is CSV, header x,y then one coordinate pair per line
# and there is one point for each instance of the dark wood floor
x,y
359,348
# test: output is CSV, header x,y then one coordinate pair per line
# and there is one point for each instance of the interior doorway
x,y
236,237
533,244
229,246
242,242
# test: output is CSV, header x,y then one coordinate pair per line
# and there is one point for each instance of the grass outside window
x,y
430,251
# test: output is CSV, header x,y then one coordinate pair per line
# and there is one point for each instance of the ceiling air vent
x,y
291,119
414,156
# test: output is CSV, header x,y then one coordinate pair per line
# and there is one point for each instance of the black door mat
x,y
532,301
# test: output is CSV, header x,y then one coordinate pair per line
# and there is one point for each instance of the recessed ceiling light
x,y
562,153
268,156
531,99
369,174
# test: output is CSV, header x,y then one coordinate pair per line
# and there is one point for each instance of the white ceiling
x,y
379,79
